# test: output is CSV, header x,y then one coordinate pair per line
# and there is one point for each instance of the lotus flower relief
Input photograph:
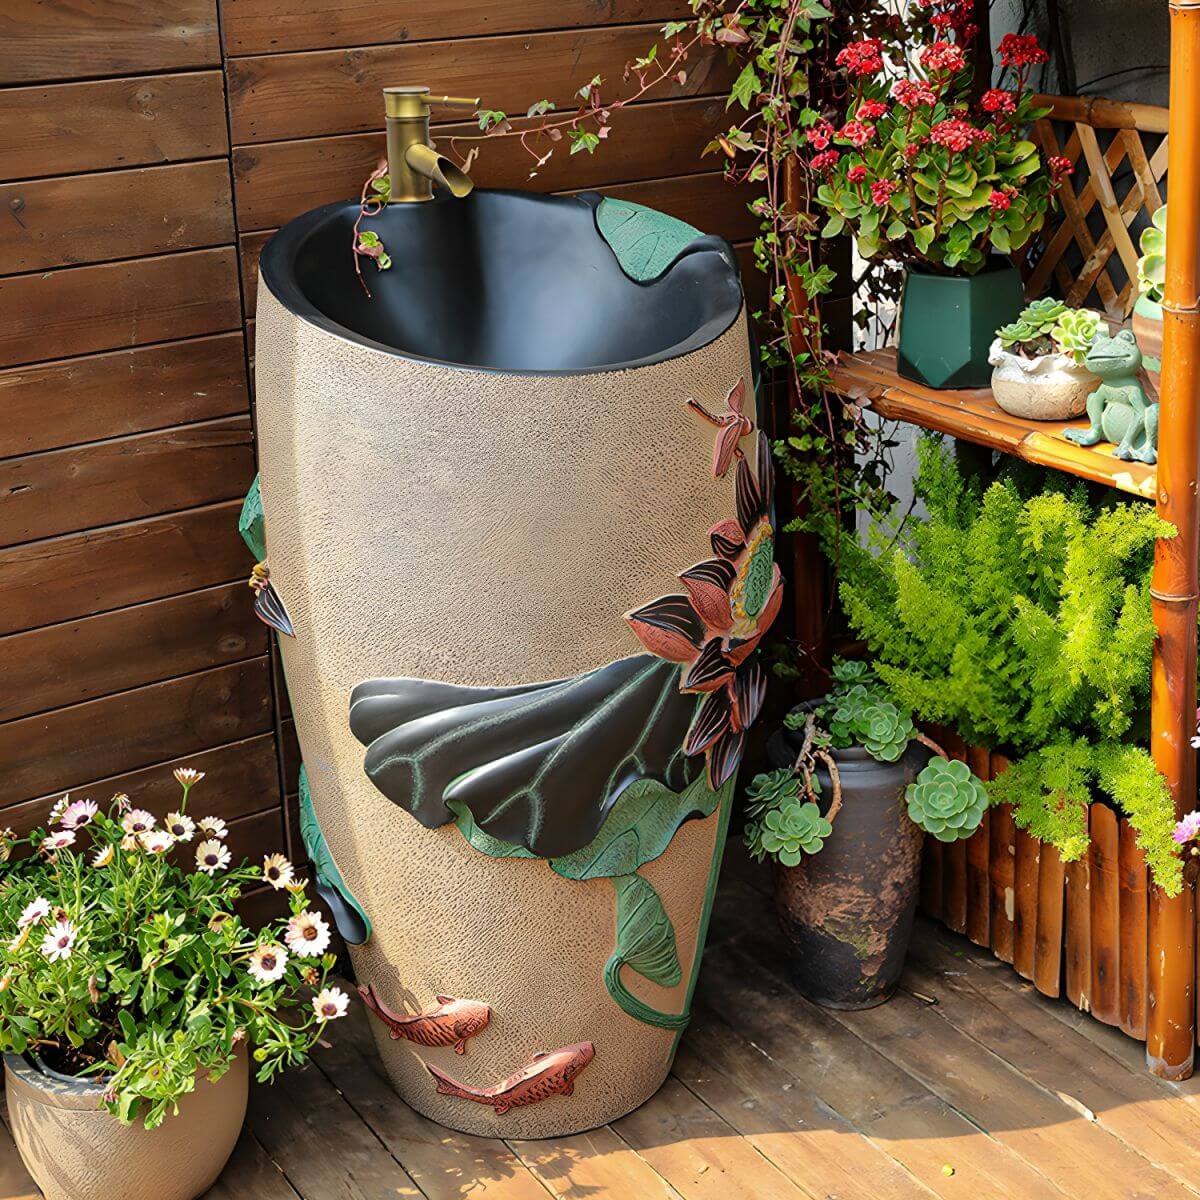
x,y
713,628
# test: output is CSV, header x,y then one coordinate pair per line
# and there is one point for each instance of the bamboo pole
x,y
1171,1026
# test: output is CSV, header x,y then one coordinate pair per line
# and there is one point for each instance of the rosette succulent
x,y
771,790
946,800
795,829
1048,326
1152,266
884,731
1076,331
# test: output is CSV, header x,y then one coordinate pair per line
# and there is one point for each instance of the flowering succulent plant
x,y
125,961
919,171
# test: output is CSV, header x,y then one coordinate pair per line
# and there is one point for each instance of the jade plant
x,y
1048,326
783,813
1018,614
124,959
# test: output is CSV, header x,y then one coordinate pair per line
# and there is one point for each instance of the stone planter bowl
x,y
1051,388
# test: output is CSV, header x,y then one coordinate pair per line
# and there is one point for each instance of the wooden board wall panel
x,y
1077,965
121,392
239,778
1048,948
80,310
122,479
977,851
72,576
1134,915
70,127
280,96
73,219
56,751
1104,868
272,26
652,140
146,643
1026,876
73,39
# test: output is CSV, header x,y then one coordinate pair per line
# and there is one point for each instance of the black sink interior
x,y
507,281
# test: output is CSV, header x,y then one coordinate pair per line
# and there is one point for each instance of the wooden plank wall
x,y
148,148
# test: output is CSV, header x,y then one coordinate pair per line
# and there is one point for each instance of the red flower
x,y
999,201
871,110
826,161
1021,50
819,136
862,58
1060,167
731,601
857,133
882,190
957,135
856,174
942,56
910,93
912,150
998,100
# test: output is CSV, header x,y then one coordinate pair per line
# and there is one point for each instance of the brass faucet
x,y
414,166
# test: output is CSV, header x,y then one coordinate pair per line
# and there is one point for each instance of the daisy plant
x,y
124,959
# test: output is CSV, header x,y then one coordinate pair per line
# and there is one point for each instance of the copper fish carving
x,y
450,1024
548,1074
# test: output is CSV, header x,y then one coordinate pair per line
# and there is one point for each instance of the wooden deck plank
x,y
699,1153
251,1173
444,1164
805,1138
597,1165
899,1114
974,997
320,1144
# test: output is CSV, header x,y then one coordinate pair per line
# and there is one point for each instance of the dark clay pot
x,y
848,911
948,322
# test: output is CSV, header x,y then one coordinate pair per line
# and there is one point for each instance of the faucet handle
x,y
414,102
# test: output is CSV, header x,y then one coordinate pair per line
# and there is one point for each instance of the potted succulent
x,y
1038,369
132,997
919,171
844,815
1147,312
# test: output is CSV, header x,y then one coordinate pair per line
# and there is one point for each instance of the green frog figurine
x,y
1119,409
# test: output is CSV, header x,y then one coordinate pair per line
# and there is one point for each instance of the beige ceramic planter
x,y
75,1150
1050,388
435,525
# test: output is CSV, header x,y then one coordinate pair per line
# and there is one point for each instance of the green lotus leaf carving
x,y
946,800
645,944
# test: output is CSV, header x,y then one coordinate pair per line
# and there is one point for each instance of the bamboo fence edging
x,y
1171,933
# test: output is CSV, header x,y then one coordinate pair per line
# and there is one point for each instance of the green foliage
x,y
946,800
794,829
1022,620
124,958
771,790
1048,326
1152,266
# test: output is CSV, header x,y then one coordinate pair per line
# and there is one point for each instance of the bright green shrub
x,y
1023,621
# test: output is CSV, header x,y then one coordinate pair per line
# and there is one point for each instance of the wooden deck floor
x,y
967,1084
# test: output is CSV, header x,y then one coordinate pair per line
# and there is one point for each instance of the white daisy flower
x,y
59,941
307,934
130,842
268,963
277,871
103,856
137,821
59,840
214,827
36,910
121,801
180,826
330,1004
59,808
212,856
78,813
188,777
156,841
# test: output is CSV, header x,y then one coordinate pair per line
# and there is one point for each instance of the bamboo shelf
x,y
871,379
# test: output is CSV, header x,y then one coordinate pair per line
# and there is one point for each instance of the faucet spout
x,y
414,166
437,168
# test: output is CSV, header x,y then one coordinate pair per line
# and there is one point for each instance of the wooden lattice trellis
x,y
1078,251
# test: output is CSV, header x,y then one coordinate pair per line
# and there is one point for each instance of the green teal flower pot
x,y
947,323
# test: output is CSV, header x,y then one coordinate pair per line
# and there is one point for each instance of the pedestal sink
x,y
513,508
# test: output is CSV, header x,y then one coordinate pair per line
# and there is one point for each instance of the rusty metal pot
x,y
848,911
